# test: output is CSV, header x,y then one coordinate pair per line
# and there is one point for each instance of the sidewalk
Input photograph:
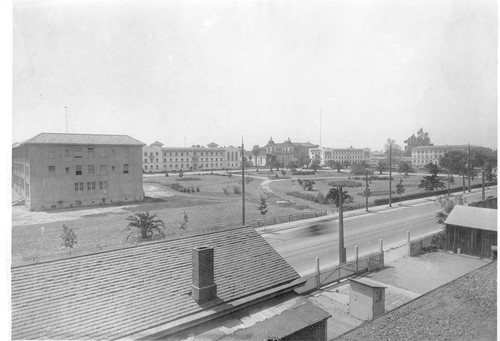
x,y
405,279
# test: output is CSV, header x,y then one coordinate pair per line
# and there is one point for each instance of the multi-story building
x,y
285,152
54,170
343,155
420,156
157,158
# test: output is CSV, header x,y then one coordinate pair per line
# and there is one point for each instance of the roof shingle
x,y
96,139
114,294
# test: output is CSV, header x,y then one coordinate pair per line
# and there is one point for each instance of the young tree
x,y
263,206
405,168
336,165
308,185
400,188
303,159
283,172
68,238
381,167
292,165
184,224
143,226
315,164
256,151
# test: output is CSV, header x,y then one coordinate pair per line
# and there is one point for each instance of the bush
x,y
438,242
237,189
197,189
226,190
296,172
345,183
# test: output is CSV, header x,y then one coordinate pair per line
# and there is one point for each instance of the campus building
x,y
286,151
420,156
343,155
157,158
53,170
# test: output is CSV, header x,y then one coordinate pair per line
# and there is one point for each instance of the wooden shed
x,y
473,230
367,298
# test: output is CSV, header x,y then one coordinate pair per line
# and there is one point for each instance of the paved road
x,y
301,245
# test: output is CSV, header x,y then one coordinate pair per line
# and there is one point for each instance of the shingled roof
x,y
123,292
89,139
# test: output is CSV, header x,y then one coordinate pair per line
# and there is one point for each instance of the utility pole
x,y
366,190
342,255
390,172
242,181
482,184
66,119
468,166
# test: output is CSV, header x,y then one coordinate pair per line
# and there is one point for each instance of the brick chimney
x,y
203,288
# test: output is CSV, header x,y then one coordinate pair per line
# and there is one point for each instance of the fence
x,y
354,267
287,218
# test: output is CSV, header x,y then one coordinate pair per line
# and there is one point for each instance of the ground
x,y
213,201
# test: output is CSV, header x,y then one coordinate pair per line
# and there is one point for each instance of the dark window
x,y
125,169
52,170
78,170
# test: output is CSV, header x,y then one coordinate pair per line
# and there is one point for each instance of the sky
x,y
336,73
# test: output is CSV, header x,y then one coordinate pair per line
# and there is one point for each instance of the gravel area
x,y
464,309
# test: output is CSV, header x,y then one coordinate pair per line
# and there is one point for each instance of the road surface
x,y
301,245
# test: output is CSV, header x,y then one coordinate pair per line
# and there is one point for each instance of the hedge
x,y
384,201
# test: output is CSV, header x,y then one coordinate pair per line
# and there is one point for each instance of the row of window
x,y
182,160
182,153
88,152
91,186
91,170
176,166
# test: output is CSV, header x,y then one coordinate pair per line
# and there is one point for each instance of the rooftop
x,y
474,217
130,291
87,139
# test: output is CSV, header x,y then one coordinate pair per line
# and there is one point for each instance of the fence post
x,y
356,257
369,268
318,284
408,244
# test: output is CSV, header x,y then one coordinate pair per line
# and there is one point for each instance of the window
x,y
103,185
103,153
113,153
90,186
156,153
145,167
79,186
378,295
90,152
52,170
91,169
66,152
164,154
125,152
145,153
113,169
156,160
103,170
145,160
125,169
78,170
67,170
52,152
164,160
156,166
78,153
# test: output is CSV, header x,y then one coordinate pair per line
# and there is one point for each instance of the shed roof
x,y
88,139
118,293
473,217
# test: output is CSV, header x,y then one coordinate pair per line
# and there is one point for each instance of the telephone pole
x,y
242,182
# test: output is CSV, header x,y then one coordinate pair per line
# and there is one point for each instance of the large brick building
x,y
286,151
53,170
420,156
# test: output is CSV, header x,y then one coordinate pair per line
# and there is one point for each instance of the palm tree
x,y
143,226
256,151
333,194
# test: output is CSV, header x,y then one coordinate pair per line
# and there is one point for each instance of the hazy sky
x,y
193,72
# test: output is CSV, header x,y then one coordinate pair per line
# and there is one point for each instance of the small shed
x,y
473,230
367,299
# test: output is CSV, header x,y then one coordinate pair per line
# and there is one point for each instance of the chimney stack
x,y
203,288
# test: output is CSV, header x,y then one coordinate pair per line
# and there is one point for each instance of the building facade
x,y
343,155
157,158
285,152
420,156
70,170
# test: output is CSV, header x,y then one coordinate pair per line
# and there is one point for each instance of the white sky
x,y
203,71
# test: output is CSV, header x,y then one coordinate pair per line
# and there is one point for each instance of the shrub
x,y
197,189
345,183
226,190
308,185
237,189
296,172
